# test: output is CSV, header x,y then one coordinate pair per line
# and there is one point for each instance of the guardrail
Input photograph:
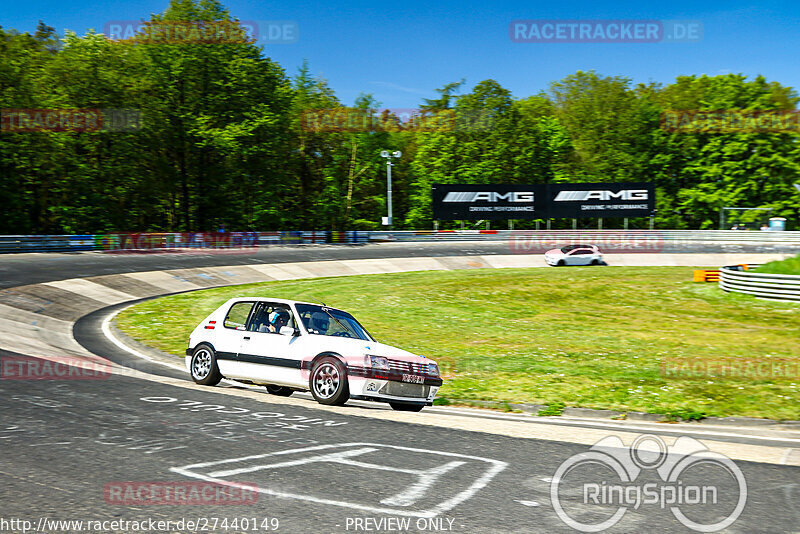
x,y
45,243
172,241
711,236
761,285
519,241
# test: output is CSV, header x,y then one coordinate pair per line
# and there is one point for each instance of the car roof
x,y
280,301
579,245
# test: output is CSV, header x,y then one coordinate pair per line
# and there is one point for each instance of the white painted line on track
x,y
109,334
403,499
106,328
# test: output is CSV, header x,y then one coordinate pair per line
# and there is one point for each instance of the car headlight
x,y
378,362
433,369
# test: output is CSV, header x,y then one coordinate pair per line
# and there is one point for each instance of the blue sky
x,y
401,52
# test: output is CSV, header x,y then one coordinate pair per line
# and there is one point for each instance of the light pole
x,y
387,221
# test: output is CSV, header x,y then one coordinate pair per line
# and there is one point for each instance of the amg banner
x,y
637,199
474,202
540,201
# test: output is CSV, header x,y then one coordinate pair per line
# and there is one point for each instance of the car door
x,y
270,357
228,339
581,256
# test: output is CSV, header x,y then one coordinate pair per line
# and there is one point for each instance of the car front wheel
x,y
561,263
328,382
204,366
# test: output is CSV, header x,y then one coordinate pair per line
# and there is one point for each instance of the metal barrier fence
x,y
519,241
711,236
45,243
762,285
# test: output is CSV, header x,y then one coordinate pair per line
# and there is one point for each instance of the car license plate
x,y
414,379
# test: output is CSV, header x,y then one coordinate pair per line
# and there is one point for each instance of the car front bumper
x,y
383,386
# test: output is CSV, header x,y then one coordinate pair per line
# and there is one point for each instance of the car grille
x,y
408,367
401,389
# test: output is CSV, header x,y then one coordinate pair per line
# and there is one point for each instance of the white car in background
x,y
574,255
288,346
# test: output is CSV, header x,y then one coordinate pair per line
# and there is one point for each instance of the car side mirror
x,y
288,331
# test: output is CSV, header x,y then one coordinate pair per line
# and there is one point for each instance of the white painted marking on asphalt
x,y
337,457
106,328
527,503
426,480
417,490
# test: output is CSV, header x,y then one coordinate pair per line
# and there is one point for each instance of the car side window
x,y
237,315
305,317
258,318
582,251
269,317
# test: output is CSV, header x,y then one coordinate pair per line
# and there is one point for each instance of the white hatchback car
x,y
289,346
574,255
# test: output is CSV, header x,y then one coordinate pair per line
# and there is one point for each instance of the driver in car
x,y
278,319
319,323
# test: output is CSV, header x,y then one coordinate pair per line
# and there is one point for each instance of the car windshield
x,y
325,321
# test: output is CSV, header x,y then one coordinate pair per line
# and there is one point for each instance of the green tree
x,y
702,172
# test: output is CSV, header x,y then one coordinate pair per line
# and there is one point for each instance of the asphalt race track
x,y
21,269
130,450
64,443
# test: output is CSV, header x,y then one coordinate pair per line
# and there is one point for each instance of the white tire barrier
x,y
761,285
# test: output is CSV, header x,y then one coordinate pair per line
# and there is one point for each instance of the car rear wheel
x,y
328,382
280,391
204,367
595,262
402,407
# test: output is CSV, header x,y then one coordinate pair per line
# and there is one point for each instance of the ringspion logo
x,y
610,479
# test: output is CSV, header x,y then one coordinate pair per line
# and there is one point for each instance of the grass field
x,y
585,337
787,266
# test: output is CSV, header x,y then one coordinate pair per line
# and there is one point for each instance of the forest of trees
x,y
222,141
